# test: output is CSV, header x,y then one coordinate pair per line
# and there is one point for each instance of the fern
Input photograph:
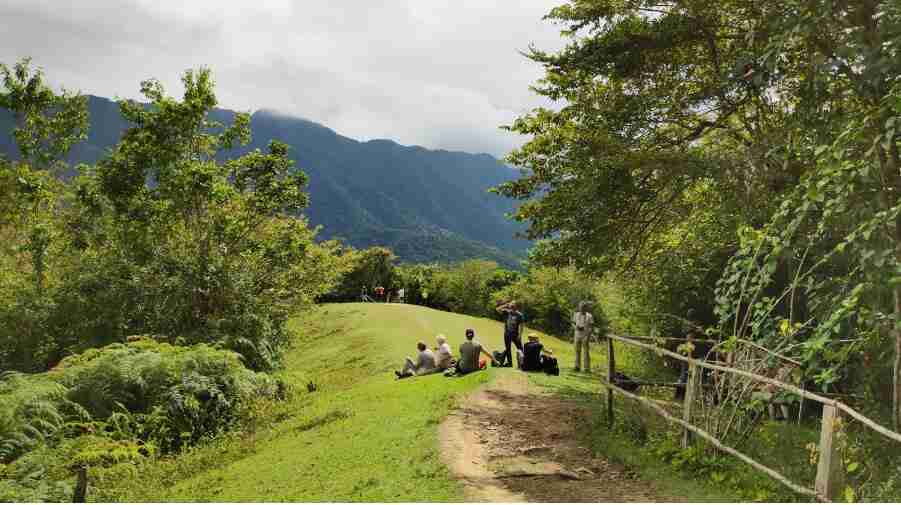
x,y
32,409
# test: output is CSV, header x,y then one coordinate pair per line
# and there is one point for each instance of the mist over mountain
x,y
427,205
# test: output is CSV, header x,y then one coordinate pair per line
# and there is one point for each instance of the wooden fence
x,y
829,478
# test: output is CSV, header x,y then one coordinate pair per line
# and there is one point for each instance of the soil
x,y
510,442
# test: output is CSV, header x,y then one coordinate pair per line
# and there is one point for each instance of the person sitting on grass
x,y
425,363
470,350
535,357
443,352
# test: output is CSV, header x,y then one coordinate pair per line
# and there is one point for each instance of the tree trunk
x,y
896,333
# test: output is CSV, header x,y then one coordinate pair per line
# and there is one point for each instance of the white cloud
x,y
436,73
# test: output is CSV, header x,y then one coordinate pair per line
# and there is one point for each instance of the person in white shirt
x,y
583,325
444,356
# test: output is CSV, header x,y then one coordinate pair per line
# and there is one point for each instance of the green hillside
x,y
362,436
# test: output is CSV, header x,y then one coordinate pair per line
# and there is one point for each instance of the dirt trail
x,y
510,442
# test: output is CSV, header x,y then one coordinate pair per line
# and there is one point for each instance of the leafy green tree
x,y
370,268
32,200
169,237
47,124
758,103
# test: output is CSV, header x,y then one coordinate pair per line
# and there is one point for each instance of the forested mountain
x,y
427,205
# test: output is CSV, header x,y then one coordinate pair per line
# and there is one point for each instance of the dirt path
x,y
512,443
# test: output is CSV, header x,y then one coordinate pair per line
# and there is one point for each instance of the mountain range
x,y
427,205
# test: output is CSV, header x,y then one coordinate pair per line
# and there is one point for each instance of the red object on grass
x,y
483,363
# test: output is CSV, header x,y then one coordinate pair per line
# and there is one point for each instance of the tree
x,y
47,124
169,237
371,268
659,101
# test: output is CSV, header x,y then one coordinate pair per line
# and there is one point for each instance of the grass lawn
x,y
362,436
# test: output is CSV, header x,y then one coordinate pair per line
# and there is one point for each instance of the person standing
x,y
583,326
512,329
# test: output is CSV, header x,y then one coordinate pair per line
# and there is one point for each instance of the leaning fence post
x,y
611,370
830,471
81,486
690,389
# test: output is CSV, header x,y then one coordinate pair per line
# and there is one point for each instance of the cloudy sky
x,y
438,73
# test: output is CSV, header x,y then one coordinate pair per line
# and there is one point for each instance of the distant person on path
x,y
470,350
379,293
444,355
583,326
425,363
512,329
400,295
536,358
364,294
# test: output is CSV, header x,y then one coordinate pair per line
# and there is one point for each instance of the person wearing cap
x,y
513,326
534,355
425,363
470,350
443,353
583,325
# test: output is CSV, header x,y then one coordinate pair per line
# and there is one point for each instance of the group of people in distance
x,y
380,294
531,356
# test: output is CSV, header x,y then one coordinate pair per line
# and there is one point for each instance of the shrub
x,y
118,404
176,394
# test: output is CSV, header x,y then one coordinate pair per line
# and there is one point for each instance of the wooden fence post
x,y
693,375
81,486
611,370
830,470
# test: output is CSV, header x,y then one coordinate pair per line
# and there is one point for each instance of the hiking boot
x,y
398,374
577,369
507,365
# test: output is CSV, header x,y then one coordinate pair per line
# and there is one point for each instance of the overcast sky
x,y
441,74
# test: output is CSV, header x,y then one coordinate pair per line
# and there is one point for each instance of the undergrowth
x,y
124,403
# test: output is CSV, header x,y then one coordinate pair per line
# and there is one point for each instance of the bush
x,y
120,403
175,394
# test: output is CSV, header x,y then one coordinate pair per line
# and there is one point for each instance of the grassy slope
x,y
362,436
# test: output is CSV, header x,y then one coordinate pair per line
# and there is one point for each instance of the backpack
x,y
624,381
498,358
549,366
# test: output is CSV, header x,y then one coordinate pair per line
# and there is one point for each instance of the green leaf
x,y
849,494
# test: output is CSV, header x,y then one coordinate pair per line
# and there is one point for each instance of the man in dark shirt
x,y
512,329
534,355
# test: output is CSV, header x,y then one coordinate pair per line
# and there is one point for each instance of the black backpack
x,y
624,381
549,366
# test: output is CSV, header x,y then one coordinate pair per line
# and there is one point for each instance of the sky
x,y
435,73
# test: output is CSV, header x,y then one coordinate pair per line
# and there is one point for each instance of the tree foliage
x,y
165,236
737,158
